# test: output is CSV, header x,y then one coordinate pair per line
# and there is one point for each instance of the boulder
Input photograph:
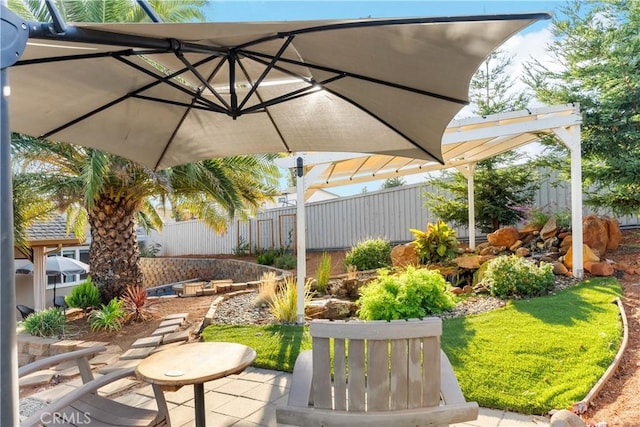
x,y
331,308
602,268
559,269
515,246
566,418
471,262
523,252
615,235
587,254
595,234
404,255
506,236
550,228
529,228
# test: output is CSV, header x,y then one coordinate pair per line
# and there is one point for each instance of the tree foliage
x,y
596,53
396,181
501,187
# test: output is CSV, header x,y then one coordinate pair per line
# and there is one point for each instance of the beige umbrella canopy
x,y
166,94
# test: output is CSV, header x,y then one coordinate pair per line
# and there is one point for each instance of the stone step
x,y
136,353
176,315
120,364
165,330
152,341
37,378
176,337
170,322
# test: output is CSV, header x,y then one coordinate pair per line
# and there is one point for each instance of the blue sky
x,y
529,43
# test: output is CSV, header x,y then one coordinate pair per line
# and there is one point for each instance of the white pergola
x,y
465,142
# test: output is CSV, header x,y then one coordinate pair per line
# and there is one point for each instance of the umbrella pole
x,y
15,34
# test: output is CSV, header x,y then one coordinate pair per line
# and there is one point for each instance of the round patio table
x,y
195,363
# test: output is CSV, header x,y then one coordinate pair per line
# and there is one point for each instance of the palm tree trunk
x,y
114,252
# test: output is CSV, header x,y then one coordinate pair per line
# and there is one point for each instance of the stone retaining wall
x,y
31,348
162,271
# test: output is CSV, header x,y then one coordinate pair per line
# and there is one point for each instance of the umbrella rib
x,y
267,112
127,52
266,71
160,79
384,122
200,77
174,133
361,77
216,108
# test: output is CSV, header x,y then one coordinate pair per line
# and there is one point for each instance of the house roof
x,y
50,232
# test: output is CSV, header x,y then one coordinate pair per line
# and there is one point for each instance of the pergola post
x,y
468,171
301,244
570,136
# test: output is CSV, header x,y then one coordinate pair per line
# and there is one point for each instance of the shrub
x,y
435,245
243,247
45,323
369,254
135,302
286,261
513,276
84,296
324,271
109,317
284,303
266,288
414,293
266,258
149,250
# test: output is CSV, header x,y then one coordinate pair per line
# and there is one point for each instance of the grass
x,y
531,356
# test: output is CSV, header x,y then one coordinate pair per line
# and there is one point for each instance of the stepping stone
x,y
176,337
147,342
37,378
120,364
171,322
69,364
69,373
136,353
166,346
104,358
165,330
117,387
176,316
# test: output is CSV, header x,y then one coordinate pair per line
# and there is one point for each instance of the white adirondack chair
x,y
384,374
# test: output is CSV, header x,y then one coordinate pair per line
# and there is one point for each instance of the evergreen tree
x,y
501,187
596,53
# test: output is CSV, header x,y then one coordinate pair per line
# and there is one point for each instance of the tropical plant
x,y
136,304
323,273
28,206
369,254
437,244
45,323
414,293
85,295
514,276
149,250
284,303
110,317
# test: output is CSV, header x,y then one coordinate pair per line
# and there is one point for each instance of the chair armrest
x,y
69,398
300,391
449,387
54,360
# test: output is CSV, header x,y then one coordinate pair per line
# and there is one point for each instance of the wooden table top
x,y
195,363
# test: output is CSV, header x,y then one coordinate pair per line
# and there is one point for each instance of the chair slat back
x,y
377,365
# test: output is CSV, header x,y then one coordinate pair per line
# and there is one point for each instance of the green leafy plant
x,y
266,258
136,304
369,254
286,261
243,247
45,323
414,293
435,245
109,317
323,273
84,296
538,217
514,276
284,302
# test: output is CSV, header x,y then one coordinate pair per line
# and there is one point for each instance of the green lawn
x,y
530,356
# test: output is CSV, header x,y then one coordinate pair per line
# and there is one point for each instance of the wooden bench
x,y
84,406
384,374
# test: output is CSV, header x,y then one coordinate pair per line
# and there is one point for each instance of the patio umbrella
x,y
166,94
57,266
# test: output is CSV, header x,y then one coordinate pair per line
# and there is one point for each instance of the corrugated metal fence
x,y
333,224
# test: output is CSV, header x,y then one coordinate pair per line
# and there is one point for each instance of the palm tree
x,y
113,194
28,207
